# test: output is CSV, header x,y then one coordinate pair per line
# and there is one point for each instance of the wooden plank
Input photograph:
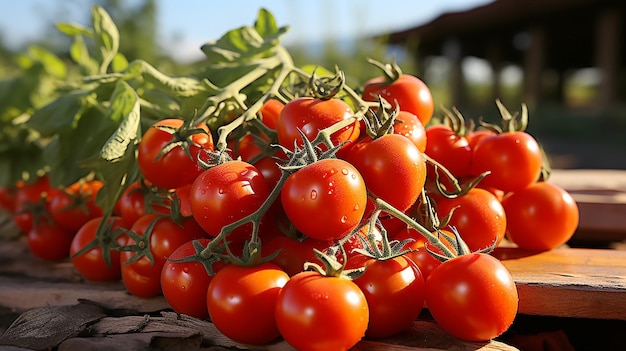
x,y
601,199
588,283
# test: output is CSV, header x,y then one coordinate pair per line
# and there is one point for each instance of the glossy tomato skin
x,y
395,293
411,93
293,253
541,216
311,115
132,205
314,312
142,277
472,297
331,189
270,111
49,242
91,265
185,284
478,216
76,205
513,158
392,167
409,125
175,168
226,193
241,302
449,149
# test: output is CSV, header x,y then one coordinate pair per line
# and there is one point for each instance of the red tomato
x,y
514,159
133,204
541,216
331,189
395,292
270,111
270,170
165,237
185,284
449,149
410,126
241,302
293,253
477,135
91,265
76,205
311,115
31,203
314,312
478,216
49,242
472,297
392,167
8,195
226,193
410,92
175,168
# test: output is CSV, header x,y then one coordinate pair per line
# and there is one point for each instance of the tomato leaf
x,y
107,37
80,54
124,110
59,115
72,29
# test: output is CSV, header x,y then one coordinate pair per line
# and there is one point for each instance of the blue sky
x,y
184,25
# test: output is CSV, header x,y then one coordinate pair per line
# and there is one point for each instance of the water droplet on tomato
x,y
220,190
344,219
356,207
313,194
344,171
186,269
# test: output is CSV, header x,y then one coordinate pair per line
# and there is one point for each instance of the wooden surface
x,y
601,199
56,309
588,283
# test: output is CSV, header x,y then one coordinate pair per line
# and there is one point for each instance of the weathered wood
x,y
86,327
587,283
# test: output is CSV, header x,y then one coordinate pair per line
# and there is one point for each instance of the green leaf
x,y
73,29
181,86
59,115
107,36
119,63
265,24
51,63
80,54
125,109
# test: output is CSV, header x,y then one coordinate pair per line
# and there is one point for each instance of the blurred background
x,y
564,58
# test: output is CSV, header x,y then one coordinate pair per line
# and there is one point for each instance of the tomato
x,y
31,203
136,201
478,216
472,297
76,204
311,115
292,253
330,189
392,167
477,135
410,92
166,236
315,312
185,284
541,216
226,193
410,126
241,302
270,170
48,241
176,167
395,292
514,159
270,111
449,149
91,265
8,195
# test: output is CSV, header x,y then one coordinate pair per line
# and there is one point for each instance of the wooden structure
x,y
537,35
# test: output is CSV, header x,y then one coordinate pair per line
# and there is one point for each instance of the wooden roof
x,y
569,28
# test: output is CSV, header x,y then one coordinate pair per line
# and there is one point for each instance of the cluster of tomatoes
x,y
313,225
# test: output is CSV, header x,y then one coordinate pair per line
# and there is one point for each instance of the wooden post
x,y
533,66
607,49
453,52
494,57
